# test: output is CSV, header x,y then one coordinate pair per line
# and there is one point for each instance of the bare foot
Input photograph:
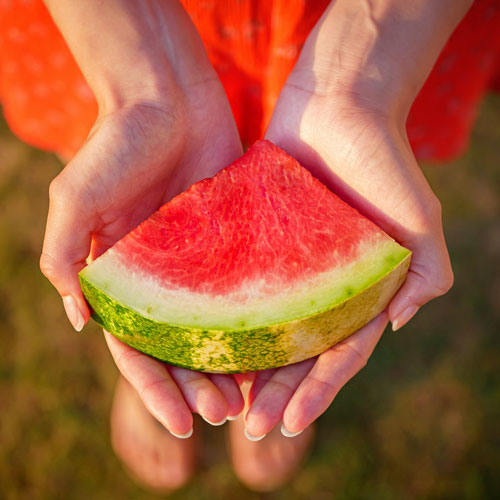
x,y
267,464
154,458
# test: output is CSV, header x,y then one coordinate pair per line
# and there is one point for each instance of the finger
x,y
229,388
430,276
201,395
268,407
259,382
156,388
81,195
66,246
332,370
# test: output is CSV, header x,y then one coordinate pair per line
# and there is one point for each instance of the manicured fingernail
x,y
234,417
183,436
220,422
253,438
74,315
289,434
404,317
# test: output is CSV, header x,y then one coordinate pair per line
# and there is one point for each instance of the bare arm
x,y
342,113
164,122
380,51
130,50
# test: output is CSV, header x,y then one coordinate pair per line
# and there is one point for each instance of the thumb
x,y
430,276
124,155
67,243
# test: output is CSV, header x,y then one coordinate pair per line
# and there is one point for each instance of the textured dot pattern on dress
x,y
253,45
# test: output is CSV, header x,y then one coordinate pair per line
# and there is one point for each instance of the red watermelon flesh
x,y
276,220
253,254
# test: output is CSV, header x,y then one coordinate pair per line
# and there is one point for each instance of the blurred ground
x,y
420,421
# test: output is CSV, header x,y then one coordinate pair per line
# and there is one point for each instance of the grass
x,y
420,421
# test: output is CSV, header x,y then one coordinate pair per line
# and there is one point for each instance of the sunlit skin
x,y
352,136
148,144
340,115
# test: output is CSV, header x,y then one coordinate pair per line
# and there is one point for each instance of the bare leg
x,y
267,464
154,458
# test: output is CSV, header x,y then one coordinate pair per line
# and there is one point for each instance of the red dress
x,y
253,45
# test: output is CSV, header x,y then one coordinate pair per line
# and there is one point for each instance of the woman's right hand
x,y
164,123
342,113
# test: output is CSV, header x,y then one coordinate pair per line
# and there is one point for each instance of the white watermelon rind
x,y
223,350
264,300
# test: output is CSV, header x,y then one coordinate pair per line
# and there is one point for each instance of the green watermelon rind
x,y
259,348
260,302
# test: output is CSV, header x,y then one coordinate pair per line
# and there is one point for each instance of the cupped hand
x,y
361,152
151,141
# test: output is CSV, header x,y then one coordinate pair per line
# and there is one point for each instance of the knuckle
x,y
282,386
349,350
424,217
331,387
198,384
65,188
428,212
446,281
56,188
125,359
149,388
434,209
47,265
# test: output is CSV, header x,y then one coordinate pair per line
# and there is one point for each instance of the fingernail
x,y
289,434
251,437
234,417
183,436
74,315
221,422
404,317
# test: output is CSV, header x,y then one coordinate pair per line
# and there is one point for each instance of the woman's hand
x,y
364,157
342,114
164,123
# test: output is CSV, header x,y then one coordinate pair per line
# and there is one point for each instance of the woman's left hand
x,y
365,158
164,123
342,114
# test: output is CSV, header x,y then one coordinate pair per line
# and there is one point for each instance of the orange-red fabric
x,y
45,98
468,67
253,45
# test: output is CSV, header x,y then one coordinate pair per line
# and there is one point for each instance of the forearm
x,y
129,49
379,50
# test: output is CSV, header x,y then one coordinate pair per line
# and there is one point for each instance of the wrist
x,y
377,54
132,52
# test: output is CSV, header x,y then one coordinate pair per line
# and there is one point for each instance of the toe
x,y
153,457
265,465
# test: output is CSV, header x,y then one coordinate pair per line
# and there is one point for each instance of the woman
x,y
162,120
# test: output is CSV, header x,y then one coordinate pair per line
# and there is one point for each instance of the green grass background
x,y
422,420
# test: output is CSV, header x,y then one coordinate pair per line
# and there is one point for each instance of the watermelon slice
x,y
257,267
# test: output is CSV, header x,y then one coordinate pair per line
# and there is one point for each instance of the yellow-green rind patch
x,y
232,351
253,305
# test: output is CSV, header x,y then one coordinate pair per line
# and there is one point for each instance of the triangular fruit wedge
x,y
257,267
